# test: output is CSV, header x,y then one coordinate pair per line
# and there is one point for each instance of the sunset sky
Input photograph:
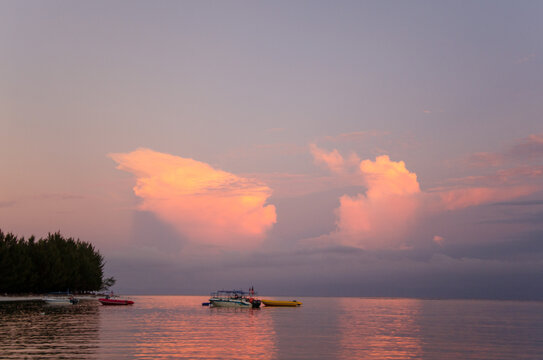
x,y
347,148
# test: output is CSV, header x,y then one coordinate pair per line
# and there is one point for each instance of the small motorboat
x,y
291,303
234,298
105,301
109,300
61,301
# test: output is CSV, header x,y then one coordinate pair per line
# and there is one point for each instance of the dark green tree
x,y
53,263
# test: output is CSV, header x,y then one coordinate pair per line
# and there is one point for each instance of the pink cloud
x,y
393,203
438,239
463,198
385,177
530,147
375,223
501,178
331,160
379,218
204,204
524,150
335,162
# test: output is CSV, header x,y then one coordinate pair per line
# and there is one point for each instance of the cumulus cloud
x,y
334,161
379,218
385,177
331,160
383,216
204,204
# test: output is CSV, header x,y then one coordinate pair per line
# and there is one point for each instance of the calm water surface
x,y
161,327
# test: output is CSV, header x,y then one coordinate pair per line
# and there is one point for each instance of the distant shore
x,y
38,297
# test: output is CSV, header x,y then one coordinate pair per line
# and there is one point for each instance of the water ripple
x,y
165,327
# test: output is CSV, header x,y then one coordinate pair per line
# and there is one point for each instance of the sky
x,y
308,148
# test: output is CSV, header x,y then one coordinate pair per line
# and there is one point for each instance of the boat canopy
x,y
229,293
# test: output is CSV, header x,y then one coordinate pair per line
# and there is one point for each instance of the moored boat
x,y
61,301
234,298
114,300
110,301
291,303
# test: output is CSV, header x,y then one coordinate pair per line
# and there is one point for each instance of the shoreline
x,y
18,298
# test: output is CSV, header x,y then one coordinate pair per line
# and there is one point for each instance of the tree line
x,y
50,264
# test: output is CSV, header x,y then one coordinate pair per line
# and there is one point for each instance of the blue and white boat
x,y
234,298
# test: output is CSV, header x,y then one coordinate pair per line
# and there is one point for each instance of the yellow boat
x,y
281,303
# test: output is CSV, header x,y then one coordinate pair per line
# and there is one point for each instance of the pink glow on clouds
x,y
372,223
204,204
438,239
381,217
334,161
331,160
526,149
463,198
385,177
530,147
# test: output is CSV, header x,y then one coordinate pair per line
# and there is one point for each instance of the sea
x,y
179,327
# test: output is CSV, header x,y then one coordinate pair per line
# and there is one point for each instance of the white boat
x,y
234,298
216,302
61,301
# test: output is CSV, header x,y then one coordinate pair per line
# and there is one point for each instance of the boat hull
x,y
292,303
60,301
115,302
230,303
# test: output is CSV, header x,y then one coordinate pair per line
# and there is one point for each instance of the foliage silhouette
x,y
53,263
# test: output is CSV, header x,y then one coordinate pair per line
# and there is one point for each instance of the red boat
x,y
109,301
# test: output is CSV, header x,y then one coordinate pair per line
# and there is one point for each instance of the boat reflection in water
x,y
178,327
173,329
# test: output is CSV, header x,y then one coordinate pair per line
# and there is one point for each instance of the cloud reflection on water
x,y
380,329
170,328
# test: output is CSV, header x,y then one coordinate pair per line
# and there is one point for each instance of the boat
x,y
234,298
105,301
291,303
61,301
111,300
